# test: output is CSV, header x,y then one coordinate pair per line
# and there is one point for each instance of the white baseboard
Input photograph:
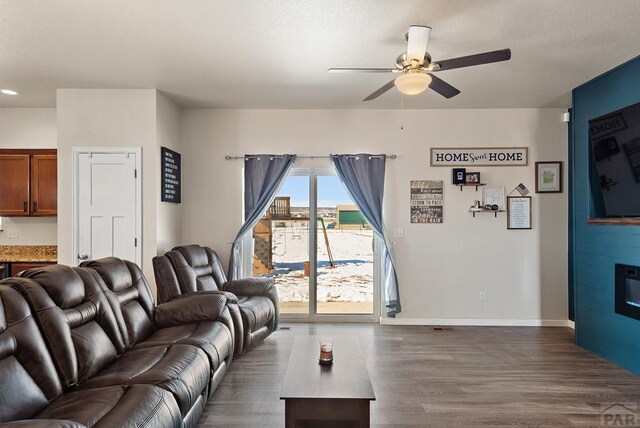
x,y
571,324
477,322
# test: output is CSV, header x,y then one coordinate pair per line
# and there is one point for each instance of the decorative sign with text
x,y
426,201
170,182
519,212
485,156
606,125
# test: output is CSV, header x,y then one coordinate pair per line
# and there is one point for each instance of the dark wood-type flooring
x,y
473,376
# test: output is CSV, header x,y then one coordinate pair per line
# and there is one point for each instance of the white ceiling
x,y
275,53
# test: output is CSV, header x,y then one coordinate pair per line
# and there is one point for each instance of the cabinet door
x,y
44,185
14,185
16,268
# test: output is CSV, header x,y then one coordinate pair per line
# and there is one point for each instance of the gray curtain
x,y
263,176
363,177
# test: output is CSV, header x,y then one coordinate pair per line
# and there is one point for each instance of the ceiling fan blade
x,y
468,61
417,40
442,87
364,70
380,91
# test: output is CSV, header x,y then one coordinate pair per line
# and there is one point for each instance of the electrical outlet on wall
x,y
483,296
12,233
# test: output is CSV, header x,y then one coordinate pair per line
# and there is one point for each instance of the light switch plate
x,y
12,233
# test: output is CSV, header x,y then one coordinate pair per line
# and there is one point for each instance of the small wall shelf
x,y
476,185
495,212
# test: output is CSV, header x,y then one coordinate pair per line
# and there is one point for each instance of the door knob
x,y
83,256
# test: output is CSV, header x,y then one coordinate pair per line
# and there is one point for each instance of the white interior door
x,y
107,201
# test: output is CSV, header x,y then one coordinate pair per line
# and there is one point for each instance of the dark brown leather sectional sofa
x,y
192,269
87,347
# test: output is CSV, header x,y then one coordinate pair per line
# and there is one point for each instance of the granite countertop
x,y
28,253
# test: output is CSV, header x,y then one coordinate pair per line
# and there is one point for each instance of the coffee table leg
x,y
289,414
364,414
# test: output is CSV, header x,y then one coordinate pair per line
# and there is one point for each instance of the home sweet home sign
x,y
479,156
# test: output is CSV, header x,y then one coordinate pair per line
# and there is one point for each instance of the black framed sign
x,y
170,176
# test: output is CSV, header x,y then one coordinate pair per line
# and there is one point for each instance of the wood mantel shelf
x,y
495,212
476,185
615,221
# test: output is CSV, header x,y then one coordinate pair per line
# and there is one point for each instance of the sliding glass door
x,y
319,249
344,256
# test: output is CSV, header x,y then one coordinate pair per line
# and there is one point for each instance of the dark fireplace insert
x,y
627,296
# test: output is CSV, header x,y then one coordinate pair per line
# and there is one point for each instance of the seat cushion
x,y
183,370
257,311
117,406
213,337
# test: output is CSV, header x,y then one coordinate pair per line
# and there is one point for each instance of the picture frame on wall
x,y
459,175
549,177
493,195
519,212
472,178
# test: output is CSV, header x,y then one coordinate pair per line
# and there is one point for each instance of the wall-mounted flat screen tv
x,y
615,162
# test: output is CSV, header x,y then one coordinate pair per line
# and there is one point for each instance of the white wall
x,y
107,118
28,128
32,128
169,134
120,118
442,268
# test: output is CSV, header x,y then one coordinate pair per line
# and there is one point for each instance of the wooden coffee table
x,y
315,395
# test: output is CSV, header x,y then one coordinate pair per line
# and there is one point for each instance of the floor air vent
x,y
443,329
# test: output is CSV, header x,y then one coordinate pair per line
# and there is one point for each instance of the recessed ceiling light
x,y
9,92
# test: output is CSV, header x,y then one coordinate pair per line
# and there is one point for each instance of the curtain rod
x,y
228,157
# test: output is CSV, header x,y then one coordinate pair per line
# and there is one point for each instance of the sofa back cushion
x,y
167,282
197,268
78,323
28,378
130,297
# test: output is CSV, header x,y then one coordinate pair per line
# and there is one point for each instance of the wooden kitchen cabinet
x,y
29,182
44,185
17,267
15,186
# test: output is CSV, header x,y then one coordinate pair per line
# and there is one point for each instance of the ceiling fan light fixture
x,y
412,83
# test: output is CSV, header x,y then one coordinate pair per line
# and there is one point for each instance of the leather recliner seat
x,y
130,297
32,394
193,269
105,355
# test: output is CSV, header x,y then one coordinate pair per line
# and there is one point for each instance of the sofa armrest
x,y
256,286
231,298
192,308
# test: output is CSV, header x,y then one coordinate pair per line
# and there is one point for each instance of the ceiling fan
x,y
415,66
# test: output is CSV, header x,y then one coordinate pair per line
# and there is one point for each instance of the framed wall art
x,y
459,175
426,201
170,176
519,212
472,178
493,195
549,177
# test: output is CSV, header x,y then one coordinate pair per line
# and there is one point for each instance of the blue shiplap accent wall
x,y
598,248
